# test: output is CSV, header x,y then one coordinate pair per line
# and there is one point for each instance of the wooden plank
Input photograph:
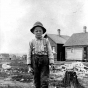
x,y
74,53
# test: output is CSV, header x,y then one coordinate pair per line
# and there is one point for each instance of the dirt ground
x,y
8,83
17,84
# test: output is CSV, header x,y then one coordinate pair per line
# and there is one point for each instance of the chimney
x,y
84,29
58,30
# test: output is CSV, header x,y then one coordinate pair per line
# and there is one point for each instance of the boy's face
x,y
38,31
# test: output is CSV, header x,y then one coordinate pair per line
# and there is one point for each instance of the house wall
x,y
74,53
53,44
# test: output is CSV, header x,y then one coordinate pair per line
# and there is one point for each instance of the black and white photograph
x,y
44,44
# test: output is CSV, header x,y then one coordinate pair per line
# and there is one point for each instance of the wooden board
x,y
74,53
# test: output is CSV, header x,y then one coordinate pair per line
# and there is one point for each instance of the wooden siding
x,y
74,53
53,44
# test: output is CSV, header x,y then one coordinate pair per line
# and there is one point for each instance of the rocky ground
x,y
8,83
17,76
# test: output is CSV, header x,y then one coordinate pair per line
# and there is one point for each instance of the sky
x,y
18,16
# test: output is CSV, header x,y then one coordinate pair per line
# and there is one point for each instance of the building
x,y
57,41
76,47
4,56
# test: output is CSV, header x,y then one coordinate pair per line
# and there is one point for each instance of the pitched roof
x,y
58,39
77,39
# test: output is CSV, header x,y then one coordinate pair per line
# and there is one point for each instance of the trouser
x,y
40,64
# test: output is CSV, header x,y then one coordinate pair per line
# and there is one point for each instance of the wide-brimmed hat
x,y
38,24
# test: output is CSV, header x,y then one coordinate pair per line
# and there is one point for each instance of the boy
x,y
40,56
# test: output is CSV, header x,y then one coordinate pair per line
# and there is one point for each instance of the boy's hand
x,y
51,66
51,63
